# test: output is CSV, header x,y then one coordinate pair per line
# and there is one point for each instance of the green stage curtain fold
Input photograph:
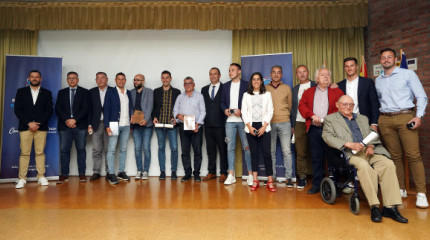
x,y
20,42
183,15
309,47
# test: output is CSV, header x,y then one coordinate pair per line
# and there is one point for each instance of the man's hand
x,y
354,146
109,131
292,131
197,128
227,112
132,120
71,123
334,85
142,123
173,121
417,121
180,117
237,112
316,120
33,126
374,127
155,120
370,150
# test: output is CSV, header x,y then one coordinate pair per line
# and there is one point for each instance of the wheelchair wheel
x,y
354,204
328,190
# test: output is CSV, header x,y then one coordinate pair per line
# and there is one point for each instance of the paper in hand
x,y
114,128
189,122
372,136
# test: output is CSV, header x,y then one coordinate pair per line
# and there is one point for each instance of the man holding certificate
x,y
190,112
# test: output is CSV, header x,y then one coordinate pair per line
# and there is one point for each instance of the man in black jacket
x,y
33,108
72,111
96,127
215,126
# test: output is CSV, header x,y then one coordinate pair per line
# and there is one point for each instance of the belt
x,y
390,114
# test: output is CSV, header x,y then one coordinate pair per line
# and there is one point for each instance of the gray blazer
x,y
146,103
295,104
336,133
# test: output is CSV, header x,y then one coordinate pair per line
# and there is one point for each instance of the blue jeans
x,y
283,131
124,133
66,139
171,134
142,137
231,129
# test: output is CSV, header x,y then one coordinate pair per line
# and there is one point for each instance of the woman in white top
x,y
257,111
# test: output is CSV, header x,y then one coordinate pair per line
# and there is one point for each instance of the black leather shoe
x,y
394,214
94,177
162,175
174,176
375,214
197,179
313,190
186,178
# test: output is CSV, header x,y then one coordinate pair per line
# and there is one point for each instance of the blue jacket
x,y
112,106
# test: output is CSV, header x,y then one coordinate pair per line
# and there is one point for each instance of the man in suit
x,y
231,103
117,111
362,91
215,126
72,111
316,103
346,130
298,125
162,113
142,99
33,107
96,127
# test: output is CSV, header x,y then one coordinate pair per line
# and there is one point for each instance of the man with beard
x,y
142,99
399,121
33,107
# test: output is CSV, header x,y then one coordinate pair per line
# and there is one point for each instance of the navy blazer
x,y
27,112
80,108
112,106
295,105
146,103
215,116
225,99
96,108
368,102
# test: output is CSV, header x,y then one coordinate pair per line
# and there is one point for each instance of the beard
x,y
36,84
137,87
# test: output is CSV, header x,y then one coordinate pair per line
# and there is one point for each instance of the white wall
x,y
182,52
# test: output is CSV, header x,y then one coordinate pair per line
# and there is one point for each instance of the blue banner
x,y
264,64
17,69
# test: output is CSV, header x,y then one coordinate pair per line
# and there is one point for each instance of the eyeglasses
x,y
72,78
347,104
138,80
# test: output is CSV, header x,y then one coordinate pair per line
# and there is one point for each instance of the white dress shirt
x,y
352,91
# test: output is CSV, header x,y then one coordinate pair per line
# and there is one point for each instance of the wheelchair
x,y
340,174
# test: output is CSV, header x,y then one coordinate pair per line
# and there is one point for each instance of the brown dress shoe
x,y
222,178
82,178
209,177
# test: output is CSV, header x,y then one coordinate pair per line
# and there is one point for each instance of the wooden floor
x,y
154,209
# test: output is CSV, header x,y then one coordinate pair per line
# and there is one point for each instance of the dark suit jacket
x,y
96,109
215,116
80,108
368,102
112,106
225,99
26,112
306,105
295,105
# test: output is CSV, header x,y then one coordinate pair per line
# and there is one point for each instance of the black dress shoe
x,y
394,214
197,179
375,214
186,178
94,177
313,190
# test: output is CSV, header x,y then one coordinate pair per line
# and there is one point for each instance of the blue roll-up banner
x,y
264,64
17,69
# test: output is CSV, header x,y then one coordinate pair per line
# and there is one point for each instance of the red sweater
x,y
306,105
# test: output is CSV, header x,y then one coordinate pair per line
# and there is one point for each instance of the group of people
x,y
315,115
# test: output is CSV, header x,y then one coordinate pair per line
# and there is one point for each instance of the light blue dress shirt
x,y
194,106
398,91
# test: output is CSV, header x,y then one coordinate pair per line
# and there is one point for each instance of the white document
x,y
189,122
161,125
114,128
293,139
372,136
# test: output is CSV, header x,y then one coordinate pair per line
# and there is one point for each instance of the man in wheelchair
x,y
346,130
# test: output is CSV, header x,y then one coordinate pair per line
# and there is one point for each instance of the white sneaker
x,y
250,180
145,175
403,193
422,201
21,183
43,181
230,180
138,175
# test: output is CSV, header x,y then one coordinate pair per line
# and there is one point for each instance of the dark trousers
x,y
66,139
188,139
318,152
215,138
260,144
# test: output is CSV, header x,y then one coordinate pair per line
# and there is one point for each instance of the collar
x,y
271,84
396,70
354,116
216,85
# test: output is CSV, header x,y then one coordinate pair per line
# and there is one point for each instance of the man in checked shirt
x,y
164,100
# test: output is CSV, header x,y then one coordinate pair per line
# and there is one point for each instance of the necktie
x,y
72,98
213,93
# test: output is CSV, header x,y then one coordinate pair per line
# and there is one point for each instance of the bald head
x,y
345,104
139,81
